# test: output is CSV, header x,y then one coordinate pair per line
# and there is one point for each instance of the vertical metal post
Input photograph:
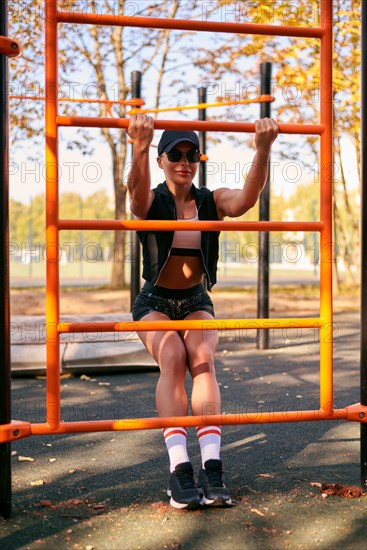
x,y
315,242
53,410
30,238
5,465
264,215
202,137
135,244
81,238
364,240
326,199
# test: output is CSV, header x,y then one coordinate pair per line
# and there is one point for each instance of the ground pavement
x,y
107,491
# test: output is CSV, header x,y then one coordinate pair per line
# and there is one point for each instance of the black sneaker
x,y
182,488
211,485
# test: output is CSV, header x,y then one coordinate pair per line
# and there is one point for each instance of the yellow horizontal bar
x,y
261,99
212,324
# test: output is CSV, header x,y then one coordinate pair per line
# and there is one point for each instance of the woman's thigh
x,y
163,345
200,345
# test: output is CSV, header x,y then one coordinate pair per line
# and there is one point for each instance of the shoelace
x,y
186,479
215,477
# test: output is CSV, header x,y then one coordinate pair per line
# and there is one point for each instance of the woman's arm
x,y
141,130
235,202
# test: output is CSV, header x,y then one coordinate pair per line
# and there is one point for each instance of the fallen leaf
x,y
84,377
53,459
45,503
339,490
100,506
25,459
74,502
264,475
270,531
257,511
251,490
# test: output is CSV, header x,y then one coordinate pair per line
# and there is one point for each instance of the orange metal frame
x,y
9,47
260,99
132,102
54,225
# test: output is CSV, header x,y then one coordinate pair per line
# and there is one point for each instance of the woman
x,y
173,266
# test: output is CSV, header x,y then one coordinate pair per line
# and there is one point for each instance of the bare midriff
x,y
181,272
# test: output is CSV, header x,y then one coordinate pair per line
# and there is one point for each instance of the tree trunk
x,y
351,246
118,257
343,251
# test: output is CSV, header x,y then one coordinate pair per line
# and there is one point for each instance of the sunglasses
x,y
175,155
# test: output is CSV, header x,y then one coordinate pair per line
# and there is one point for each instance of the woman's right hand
x,y
141,131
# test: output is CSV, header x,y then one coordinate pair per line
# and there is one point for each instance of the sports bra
x,y
187,243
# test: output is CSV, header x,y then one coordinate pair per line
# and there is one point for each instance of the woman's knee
x,y
173,361
201,361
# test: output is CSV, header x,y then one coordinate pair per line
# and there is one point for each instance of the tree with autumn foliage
x,y
295,82
100,60
95,62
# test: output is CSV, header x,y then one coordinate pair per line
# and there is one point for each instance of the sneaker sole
x,y
194,505
215,502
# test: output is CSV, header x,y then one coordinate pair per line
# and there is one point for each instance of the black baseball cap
x,y
170,138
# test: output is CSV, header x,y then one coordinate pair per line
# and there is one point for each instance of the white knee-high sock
x,y
209,440
175,439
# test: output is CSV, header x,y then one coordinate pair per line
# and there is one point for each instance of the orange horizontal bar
x,y
130,424
188,25
14,430
261,99
133,102
9,47
174,225
19,430
203,125
212,324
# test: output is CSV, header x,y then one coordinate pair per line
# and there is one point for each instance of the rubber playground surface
x,y
294,485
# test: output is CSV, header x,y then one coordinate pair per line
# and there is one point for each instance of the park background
x,y
277,508
96,64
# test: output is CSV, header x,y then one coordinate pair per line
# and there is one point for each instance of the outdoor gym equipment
x,y
53,424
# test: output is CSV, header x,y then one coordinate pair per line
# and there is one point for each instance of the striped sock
x,y
209,439
175,439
